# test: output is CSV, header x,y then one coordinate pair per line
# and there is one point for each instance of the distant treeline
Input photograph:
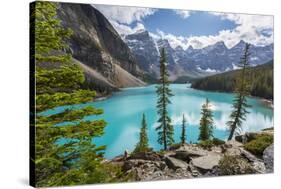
x,y
260,79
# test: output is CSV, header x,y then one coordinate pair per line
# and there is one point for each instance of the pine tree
x,y
142,146
240,101
206,122
183,133
165,129
64,155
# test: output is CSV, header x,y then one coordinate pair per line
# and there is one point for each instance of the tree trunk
x,y
231,133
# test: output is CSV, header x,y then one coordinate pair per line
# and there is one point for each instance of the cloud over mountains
x,y
255,29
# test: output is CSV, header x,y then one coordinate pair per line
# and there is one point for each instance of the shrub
x,y
217,141
175,146
234,165
207,144
259,144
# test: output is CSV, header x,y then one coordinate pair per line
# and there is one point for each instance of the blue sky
x,y
191,28
198,23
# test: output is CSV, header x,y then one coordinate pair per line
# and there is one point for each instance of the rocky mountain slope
x,y
98,47
193,62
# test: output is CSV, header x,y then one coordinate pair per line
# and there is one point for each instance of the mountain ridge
x,y
97,45
193,62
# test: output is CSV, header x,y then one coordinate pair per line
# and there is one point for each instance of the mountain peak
x,y
141,31
179,48
220,44
190,48
139,35
240,43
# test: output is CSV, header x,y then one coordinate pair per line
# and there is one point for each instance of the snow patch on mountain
x,y
211,59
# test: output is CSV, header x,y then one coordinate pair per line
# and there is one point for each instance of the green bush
x,y
208,144
217,141
175,146
234,165
259,144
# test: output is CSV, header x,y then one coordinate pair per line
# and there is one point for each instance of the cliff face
x,y
96,44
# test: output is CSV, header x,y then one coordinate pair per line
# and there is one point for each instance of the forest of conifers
x,y
260,79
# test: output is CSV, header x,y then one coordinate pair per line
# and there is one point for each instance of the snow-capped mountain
x,y
192,62
145,49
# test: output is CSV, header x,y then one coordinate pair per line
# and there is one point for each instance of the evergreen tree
x,y
260,79
206,122
240,101
165,129
142,146
64,155
183,133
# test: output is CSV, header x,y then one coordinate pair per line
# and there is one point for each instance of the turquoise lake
x,y
123,113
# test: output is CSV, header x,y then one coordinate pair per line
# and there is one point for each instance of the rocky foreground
x,y
192,160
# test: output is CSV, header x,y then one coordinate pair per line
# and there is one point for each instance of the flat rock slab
x,y
193,151
174,163
250,157
207,163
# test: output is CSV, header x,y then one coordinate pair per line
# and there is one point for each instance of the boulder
x,y
256,163
182,155
193,150
206,163
174,163
250,157
247,137
268,157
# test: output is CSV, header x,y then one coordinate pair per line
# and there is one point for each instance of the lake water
x,y
123,113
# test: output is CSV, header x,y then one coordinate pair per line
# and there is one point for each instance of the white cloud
x,y
125,29
173,40
183,13
254,29
121,17
124,15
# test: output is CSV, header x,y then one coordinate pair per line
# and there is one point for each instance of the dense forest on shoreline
x,y
260,80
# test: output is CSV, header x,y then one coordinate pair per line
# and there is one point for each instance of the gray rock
x,y
127,165
96,44
247,137
256,163
174,163
183,155
206,163
259,167
250,157
193,150
268,158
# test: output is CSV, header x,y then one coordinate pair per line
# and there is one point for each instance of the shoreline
x,y
102,97
268,103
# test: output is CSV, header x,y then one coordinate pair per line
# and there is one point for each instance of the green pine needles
x,y
64,155
142,145
242,89
165,129
206,122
